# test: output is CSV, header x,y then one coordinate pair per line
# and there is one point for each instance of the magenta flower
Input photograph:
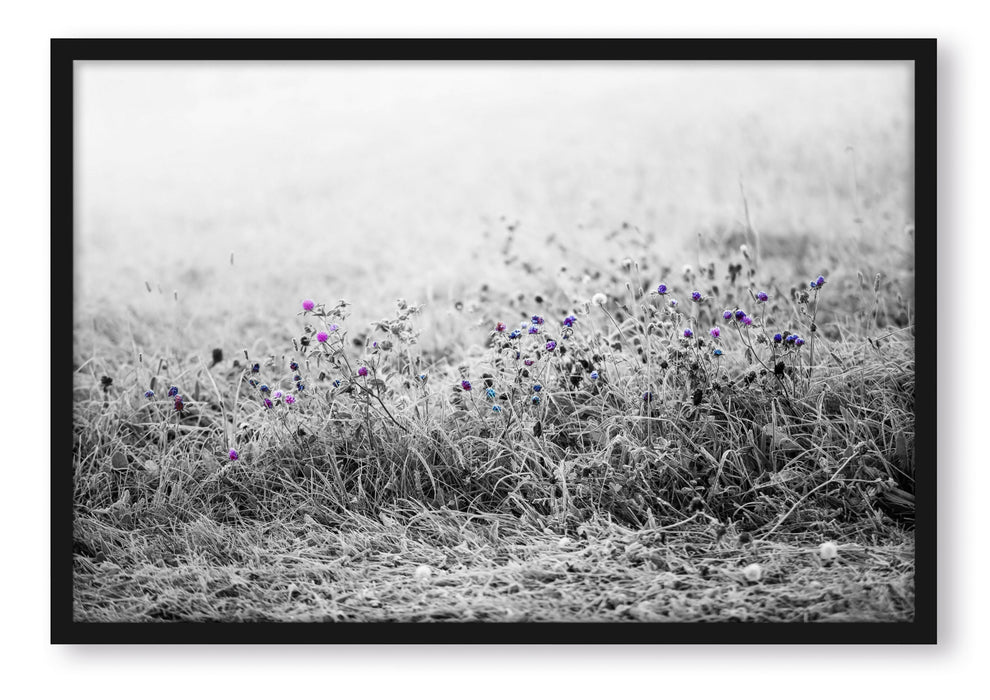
x,y
499,326
362,371
322,337
268,403
688,333
747,321
551,345
715,332
528,362
290,399
308,305
762,297
277,395
233,455
466,385
334,327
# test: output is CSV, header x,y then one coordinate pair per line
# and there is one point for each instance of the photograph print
x,y
587,337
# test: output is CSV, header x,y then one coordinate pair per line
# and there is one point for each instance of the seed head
x,y
753,572
599,299
828,551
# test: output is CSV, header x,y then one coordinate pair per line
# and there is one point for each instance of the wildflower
x,y
528,362
673,303
746,321
499,327
334,328
466,385
753,572
308,305
336,382
290,399
762,297
740,314
727,315
490,392
297,378
715,332
662,289
594,375
688,333
537,388
255,368
233,455
551,345
294,365
300,386
268,403
422,377
648,396
173,391
535,399
179,405
253,382
599,299
496,408
789,340
514,334
799,342
264,389
569,321
828,551
322,337
533,330
149,394
717,352
277,395
778,338
538,320
816,284
362,371
695,296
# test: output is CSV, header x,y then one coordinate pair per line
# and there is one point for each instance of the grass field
x,y
419,474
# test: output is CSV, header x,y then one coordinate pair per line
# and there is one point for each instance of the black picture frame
x,y
922,52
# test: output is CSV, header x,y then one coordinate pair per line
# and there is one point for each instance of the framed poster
x,y
494,341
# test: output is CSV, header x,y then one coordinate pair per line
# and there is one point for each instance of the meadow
x,y
637,385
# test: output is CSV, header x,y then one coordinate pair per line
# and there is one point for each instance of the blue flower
x,y
172,391
688,332
717,352
514,334
662,289
727,315
538,320
422,377
490,392
569,321
778,338
149,394
799,342
255,368
300,386
537,387
740,315
551,345
594,375
696,296
533,330
336,382
762,297
264,389
496,408
535,399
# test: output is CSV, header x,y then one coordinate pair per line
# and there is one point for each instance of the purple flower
x,y
322,337
264,389
499,326
528,362
762,297
255,368
293,365
308,305
290,399
715,332
514,334
747,321
662,289
149,394
233,453
538,320
727,315
799,342
569,321
816,284
740,314
778,338
334,328
466,385
173,391
362,371
696,296
277,395
648,396
533,330
268,403
789,340
594,375
551,345
688,332
673,303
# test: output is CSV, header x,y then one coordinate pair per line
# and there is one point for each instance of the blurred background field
x,y
370,182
